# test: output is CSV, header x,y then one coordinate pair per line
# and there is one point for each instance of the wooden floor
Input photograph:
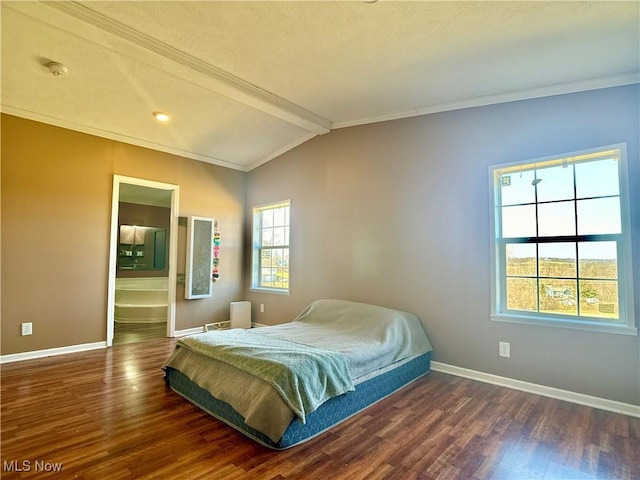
x,y
137,332
107,414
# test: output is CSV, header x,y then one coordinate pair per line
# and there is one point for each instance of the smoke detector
x,y
57,69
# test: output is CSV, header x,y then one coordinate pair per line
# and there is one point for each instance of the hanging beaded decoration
x,y
215,273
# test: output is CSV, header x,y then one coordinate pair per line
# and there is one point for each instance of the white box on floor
x,y
240,314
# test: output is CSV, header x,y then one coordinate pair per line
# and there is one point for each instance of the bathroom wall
x,y
149,216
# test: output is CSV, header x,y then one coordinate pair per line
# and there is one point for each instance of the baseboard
x,y
557,393
189,331
49,352
193,331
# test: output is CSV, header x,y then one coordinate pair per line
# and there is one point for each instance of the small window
x,y
561,241
271,247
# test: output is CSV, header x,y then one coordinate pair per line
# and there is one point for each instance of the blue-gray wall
x,y
397,213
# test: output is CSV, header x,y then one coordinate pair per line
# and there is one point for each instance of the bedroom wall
x,y
56,210
397,214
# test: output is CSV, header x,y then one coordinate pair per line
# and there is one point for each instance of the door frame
x,y
113,251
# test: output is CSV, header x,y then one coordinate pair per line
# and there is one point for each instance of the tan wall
x,y
397,214
56,208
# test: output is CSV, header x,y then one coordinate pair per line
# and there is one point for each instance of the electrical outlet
x,y
262,308
27,328
504,349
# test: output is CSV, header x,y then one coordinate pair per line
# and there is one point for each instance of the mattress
x,y
284,384
329,414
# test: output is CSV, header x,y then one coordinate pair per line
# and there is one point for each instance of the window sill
x,y
558,323
269,290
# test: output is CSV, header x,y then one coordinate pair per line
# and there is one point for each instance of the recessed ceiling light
x,y
161,116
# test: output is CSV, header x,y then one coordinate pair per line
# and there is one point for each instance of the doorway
x,y
135,250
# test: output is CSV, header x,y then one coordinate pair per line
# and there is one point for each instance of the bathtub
x,y
141,300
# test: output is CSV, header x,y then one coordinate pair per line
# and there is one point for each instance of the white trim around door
x,y
113,250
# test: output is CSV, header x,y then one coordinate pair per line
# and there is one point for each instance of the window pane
x,y
267,237
266,258
555,219
267,217
279,236
522,294
268,276
274,271
516,188
281,282
556,183
519,221
597,178
558,296
557,260
281,264
599,215
279,215
285,256
599,298
598,259
521,259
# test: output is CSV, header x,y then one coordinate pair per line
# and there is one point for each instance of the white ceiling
x,y
247,81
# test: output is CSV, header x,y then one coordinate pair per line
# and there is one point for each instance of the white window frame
x,y
257,247
499,312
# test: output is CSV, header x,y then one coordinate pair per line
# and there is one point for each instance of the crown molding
x,y
628,78
76,127
225,83
92,25
280,151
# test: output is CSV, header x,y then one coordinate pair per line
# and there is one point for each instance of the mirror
x,y
142,248
200,237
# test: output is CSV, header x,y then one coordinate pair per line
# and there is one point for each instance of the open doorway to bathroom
x,y
142,260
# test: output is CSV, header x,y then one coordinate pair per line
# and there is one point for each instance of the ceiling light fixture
x,y
161,116
57,69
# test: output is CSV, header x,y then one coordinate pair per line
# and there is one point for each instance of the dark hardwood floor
x,y
107,414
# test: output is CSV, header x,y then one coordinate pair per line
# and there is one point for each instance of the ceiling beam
x,y
220,81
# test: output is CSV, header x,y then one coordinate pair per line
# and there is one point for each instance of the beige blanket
x,y
257,401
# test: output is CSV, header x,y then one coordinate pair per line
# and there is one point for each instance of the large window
x,y
271,247
561,241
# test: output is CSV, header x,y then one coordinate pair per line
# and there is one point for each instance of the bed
x,y
285,384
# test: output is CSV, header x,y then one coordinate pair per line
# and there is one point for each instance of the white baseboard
x,y
557,393
49,352
189,331
193,331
